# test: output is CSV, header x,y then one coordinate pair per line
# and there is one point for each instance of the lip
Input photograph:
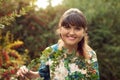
x,y
71,38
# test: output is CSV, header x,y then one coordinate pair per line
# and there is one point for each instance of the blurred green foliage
x,y
37,29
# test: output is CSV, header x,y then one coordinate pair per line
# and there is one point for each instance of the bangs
x,y
74,20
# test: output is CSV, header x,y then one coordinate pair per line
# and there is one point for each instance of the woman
x,y
76,60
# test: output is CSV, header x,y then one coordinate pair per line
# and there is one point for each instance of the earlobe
x,y
85,30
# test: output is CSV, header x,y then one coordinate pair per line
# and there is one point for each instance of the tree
x,y
10,58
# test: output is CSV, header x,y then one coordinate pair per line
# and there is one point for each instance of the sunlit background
x,y
44,3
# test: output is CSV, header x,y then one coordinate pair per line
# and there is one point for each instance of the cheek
x,y
63,31
81,34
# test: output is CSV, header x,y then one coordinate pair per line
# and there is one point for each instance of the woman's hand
x,y
23,72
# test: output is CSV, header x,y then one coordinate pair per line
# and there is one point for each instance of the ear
x,y
86,29
85,32
58,31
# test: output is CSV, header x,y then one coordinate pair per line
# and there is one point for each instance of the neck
x,y
70,48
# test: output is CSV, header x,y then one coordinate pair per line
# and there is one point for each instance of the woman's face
x,y
71,35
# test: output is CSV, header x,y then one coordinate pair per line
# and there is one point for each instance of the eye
x,y
78,28
67,27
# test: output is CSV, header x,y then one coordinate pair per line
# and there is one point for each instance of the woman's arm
x,y
94,65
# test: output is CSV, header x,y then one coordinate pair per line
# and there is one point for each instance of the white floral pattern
x,y
64,66
61,72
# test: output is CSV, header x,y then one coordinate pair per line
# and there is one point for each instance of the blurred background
x,y
27,27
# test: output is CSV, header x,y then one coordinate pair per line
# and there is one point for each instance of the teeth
x,y
71,38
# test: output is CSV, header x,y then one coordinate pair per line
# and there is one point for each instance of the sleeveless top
x,y
56,65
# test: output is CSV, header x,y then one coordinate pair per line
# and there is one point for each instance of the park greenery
x,y
26,32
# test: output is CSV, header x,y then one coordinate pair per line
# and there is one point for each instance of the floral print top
x,y
58,65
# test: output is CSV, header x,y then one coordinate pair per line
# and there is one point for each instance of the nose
x,y
72,31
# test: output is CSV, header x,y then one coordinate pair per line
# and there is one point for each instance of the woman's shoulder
x,y
54,47
90,51
88,48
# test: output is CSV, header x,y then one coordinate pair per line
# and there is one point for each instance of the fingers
x,y
22,71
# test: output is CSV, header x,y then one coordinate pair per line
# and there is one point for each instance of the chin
x,y
71,44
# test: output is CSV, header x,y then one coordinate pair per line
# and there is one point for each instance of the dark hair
x,y
76,18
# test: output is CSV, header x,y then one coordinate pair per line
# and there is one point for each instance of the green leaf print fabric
x,y
59,65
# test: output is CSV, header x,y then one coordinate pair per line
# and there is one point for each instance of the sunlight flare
x,y
44,3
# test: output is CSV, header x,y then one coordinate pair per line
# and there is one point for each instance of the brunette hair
x,y
76,18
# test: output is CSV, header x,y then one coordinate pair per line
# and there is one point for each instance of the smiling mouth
x,y
71,38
